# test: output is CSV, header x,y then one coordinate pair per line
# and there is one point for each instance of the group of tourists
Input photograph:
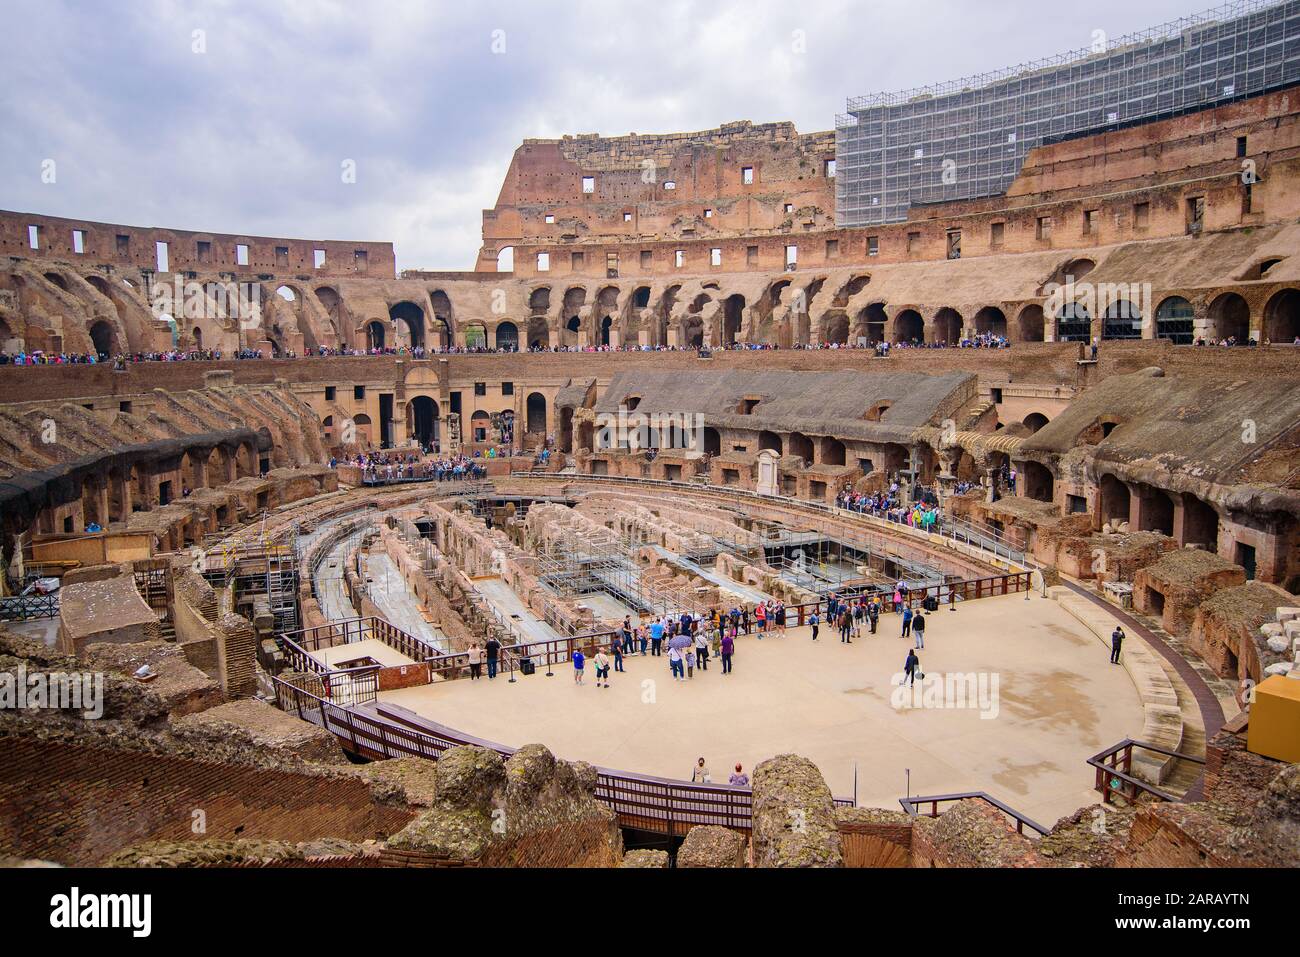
x,y
700,774
887,505
381,467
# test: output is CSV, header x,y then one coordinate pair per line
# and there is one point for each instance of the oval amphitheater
x,y
316,545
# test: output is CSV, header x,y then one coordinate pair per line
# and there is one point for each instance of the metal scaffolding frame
x,y
968,138
574,563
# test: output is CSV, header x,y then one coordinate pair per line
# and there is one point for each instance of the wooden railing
x,y
1114,768
641,801
912,805
349,630
558,651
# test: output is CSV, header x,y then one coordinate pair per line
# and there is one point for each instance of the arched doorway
x,y
1282,316
992,321
441,328
947,326
538,334
536,407
837,329
1035,421
103,338
506,259
769,440
1039,483
732,312
712,441
1122,320
413,316
422,421
539,301
507,336
374,335
1031,324
605,325
1113,500
475,336
1174,321
875,320
909,327
1229,318
1155,510
1073,323
693,332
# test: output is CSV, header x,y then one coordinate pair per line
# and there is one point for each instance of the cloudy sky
x,y
244,126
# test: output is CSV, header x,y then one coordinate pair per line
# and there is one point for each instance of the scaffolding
x,y
258,567
968,138
575,562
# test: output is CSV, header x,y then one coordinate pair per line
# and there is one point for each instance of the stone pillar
x,y
793,816
768,483
991,477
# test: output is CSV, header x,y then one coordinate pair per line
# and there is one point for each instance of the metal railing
x,y
912,806
641,801
350,630
29,607
1114,768
986,539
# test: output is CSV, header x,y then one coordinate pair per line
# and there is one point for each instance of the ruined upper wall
x,y
630,194
111,244
1127,185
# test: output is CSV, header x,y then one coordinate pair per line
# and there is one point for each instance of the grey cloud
x,y
249,136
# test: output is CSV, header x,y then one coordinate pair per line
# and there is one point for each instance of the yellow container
x,y
1275,719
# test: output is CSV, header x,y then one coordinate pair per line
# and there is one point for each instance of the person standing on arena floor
x,y
814,622
643,637
873,612
918,629
627,635
702,649
579,662
656,638
602,668
907,621
911,666
675,664
728,649
493,656
760,618
617,648
475,655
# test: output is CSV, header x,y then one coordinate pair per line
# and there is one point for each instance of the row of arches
x,y
1227,316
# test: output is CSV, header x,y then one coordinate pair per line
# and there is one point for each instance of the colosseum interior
x,y
285,504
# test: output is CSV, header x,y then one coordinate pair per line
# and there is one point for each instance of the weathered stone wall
x,y
78,805
793,816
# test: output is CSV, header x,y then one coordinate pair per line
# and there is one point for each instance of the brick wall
x,y
77,805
